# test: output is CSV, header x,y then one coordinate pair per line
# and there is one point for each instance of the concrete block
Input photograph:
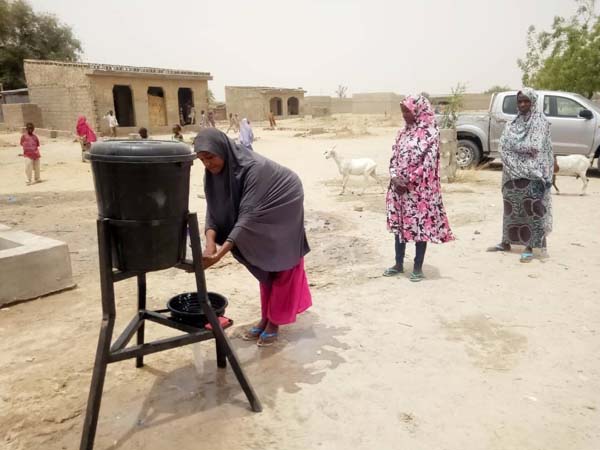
x,y
32,266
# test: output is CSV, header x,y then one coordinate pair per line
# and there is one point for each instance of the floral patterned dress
x,y
417,215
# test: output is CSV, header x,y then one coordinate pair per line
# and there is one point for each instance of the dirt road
x,y
486,354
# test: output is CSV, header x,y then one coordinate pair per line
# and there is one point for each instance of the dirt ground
x,y
486,354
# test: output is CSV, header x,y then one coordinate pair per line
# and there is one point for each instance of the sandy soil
x,y
486,354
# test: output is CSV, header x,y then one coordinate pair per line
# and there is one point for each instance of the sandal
x,y
392,272
252,334
526,257
267,339
499,248
415,277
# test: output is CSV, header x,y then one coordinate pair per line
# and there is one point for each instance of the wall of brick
x,y
253,102
376,103
16,115
62,93
102,88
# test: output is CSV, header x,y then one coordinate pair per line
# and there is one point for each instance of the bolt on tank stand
x,y
118,351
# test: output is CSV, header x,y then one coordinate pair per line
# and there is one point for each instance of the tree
x,y
341,91
454,105
496,88
211,97
567,57
25,34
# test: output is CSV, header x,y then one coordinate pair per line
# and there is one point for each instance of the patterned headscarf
x,y
421,108
526,147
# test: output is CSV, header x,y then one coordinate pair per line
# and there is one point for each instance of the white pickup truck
x,y
575,126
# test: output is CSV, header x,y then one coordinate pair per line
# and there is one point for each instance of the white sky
x,y
367,45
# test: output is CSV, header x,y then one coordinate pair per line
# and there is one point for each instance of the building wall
x,y
254,104
16,115
341,105
376,103
103,96
61,92
248,103
471,102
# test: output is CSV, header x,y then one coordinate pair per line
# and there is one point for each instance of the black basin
x,y
186,307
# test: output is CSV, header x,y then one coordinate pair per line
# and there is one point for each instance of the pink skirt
x,y
285,296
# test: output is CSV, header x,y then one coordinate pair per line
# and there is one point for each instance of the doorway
x,y
187,110
123,101
293,106
157,108
276,107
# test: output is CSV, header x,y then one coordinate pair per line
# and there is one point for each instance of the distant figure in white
x,y
360,166
573,166
112,122
246,134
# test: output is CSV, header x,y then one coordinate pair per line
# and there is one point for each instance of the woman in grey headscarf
x,y
255,211
528,165
246,134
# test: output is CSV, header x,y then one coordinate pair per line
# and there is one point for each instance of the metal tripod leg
x,y
106,330
141,283
221,338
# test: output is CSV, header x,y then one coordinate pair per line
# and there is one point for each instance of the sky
x,y
366,45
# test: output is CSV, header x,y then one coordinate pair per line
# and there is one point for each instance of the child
x,y
31,152
177,136
143,132
85,135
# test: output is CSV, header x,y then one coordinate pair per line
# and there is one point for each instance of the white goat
x,y
574,166
360,166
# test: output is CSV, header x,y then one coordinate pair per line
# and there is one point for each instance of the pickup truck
x,y
575,126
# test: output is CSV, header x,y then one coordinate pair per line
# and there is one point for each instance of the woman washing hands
x,y
415,211
254,209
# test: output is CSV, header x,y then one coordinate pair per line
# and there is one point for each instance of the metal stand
x,y
107,353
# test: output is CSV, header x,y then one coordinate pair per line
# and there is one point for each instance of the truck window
x,y
509,106
555,106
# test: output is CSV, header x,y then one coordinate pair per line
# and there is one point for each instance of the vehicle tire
x,y
468,154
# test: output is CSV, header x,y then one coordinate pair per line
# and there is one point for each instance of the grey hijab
x,y
255,203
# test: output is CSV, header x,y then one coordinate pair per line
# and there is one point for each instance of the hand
x,y
399,186
211,249
210,260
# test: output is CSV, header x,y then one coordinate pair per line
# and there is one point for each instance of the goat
x,y
360,166
574,166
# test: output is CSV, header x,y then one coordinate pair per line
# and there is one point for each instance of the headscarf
x,y
84,130
246,134
256,203
415,142
526,147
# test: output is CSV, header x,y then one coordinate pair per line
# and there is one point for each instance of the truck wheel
x,y
468,154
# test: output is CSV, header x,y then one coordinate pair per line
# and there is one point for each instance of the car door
x,y
570,133
504,110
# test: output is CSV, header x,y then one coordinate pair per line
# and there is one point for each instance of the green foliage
x,y
453,107
25,34
495,89
567,57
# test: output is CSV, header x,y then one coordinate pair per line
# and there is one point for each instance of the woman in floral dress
x,y
415,211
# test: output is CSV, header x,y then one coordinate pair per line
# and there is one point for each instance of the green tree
x,y
453,106
497,88
25,34
567,57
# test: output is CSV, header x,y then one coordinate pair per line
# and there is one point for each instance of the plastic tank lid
x,y
140,151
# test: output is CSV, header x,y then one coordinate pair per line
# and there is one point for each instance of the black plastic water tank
x,y
143,187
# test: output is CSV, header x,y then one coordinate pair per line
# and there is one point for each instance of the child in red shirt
x,y
31,152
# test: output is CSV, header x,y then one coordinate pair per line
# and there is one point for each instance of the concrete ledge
x,y
32,266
